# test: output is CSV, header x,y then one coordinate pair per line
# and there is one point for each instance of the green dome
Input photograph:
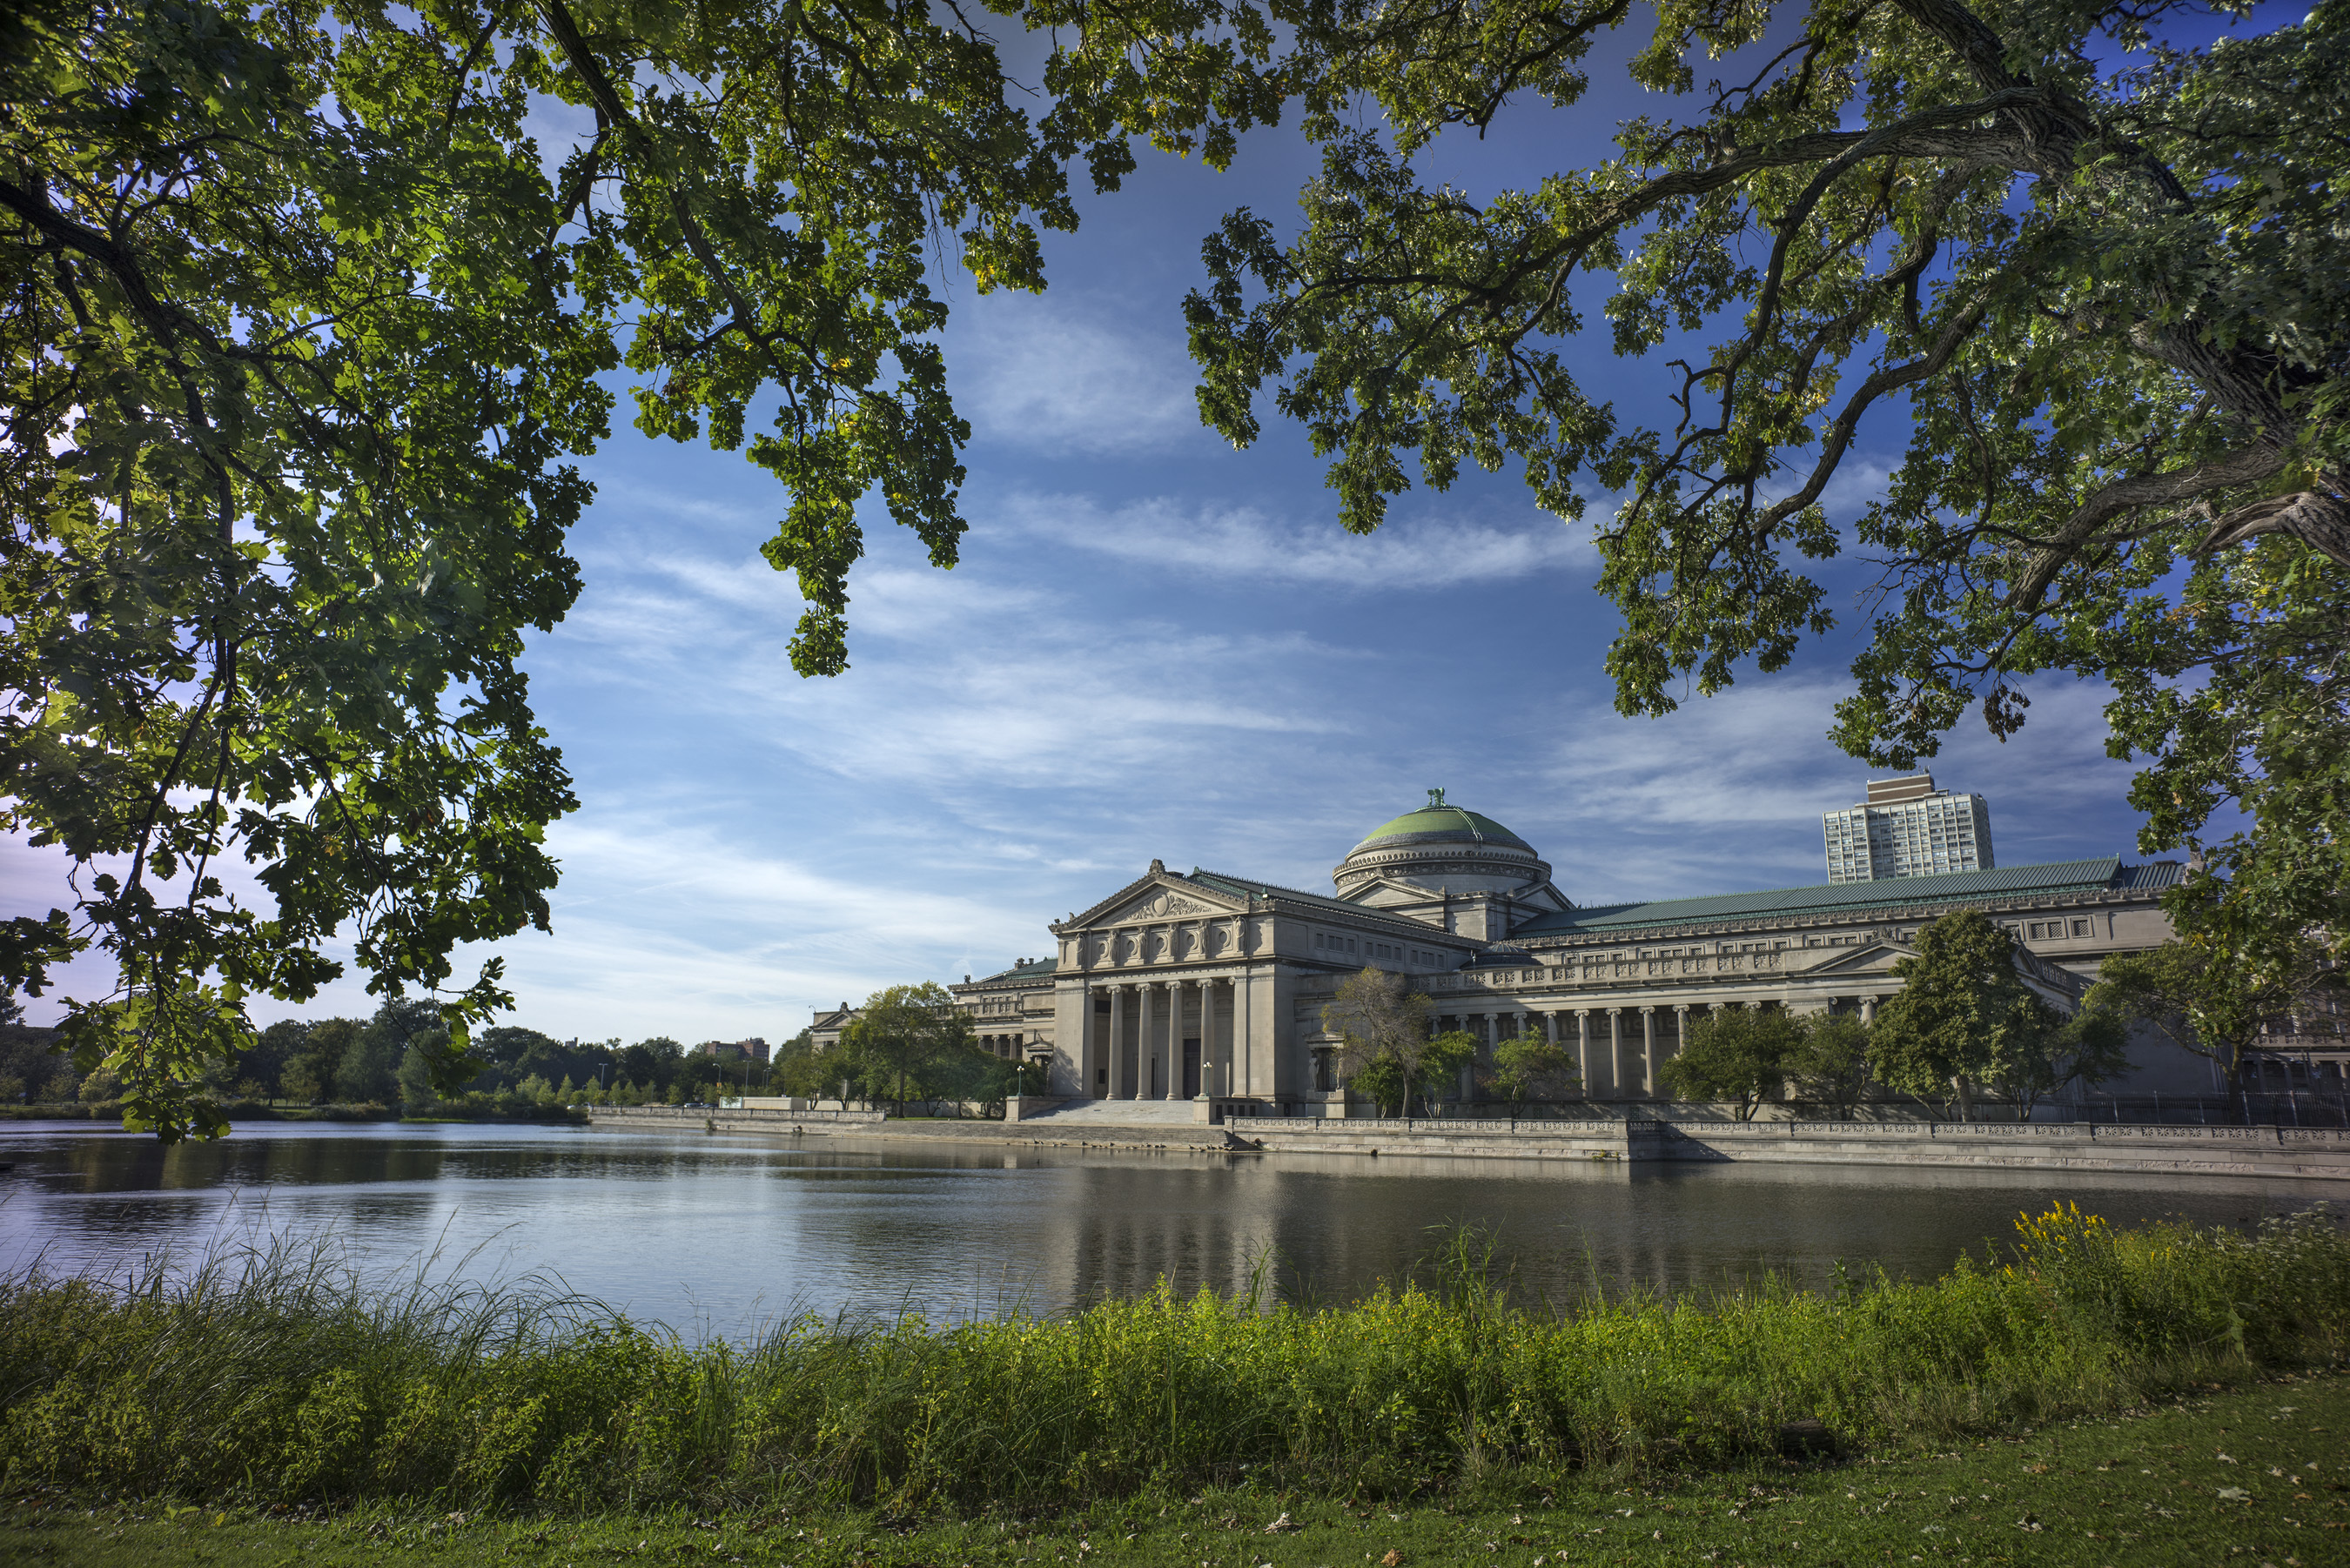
x,y
1437,822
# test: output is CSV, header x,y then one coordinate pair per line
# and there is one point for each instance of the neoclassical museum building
x,y
1200,985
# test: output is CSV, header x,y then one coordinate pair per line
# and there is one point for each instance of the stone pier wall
x,y
2208,1150
756,1118
2303,1152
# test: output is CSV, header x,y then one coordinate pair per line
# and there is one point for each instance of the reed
x,y
280,1376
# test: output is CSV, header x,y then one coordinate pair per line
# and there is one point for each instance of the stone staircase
x,y
1116,1113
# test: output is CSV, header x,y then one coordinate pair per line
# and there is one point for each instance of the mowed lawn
x,y
2258,1477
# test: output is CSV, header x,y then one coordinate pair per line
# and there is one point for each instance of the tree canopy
x,y
1829,1066
2181,995
1385,1046
1737,1054
1965,1018
2091,259
305,309
1530,1067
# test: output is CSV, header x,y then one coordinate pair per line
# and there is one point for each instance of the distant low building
x,y
752,1050
827,1028
1906,827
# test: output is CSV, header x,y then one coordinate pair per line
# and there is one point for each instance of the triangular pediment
x,y
1386,893
1160,896
1170,904
1871,957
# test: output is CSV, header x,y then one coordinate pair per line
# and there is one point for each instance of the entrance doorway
x,y
1191,1069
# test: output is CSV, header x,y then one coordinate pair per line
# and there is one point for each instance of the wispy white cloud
x,y
964,678
1059,377
1248,545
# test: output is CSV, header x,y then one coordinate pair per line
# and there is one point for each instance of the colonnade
x,y
1140,1055
1629,1026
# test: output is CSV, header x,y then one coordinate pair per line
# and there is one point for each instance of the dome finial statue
x,y
1435,799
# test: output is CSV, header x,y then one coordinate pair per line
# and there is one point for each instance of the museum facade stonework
x,y
1205,986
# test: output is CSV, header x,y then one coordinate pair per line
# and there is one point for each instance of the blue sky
x,y
1154,646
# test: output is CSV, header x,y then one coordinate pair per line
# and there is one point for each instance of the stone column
x,y
1868,1009
1244,1067
1145,1002
1211,1047
1211,1076
1616,1051
1175,1039
1582,1047
1648,1052
1117,1042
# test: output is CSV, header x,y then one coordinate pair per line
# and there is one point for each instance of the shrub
x,y
279,1376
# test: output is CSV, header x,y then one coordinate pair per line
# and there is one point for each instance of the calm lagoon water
x,y
718,1235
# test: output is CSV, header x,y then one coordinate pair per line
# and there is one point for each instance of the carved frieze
x,y
1161,905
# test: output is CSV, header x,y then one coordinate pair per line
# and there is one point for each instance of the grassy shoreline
x,y
2256,1475
283,1381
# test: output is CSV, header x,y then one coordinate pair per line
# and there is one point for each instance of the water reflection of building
x,y
1209,985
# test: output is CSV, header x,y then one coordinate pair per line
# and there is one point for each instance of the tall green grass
x,y
281,1377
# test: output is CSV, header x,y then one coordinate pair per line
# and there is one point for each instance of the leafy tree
x,y
272,1050
1532,1068
414,1082
515,1052
697,1077
1384,1082
652,1063
27,1053
1829,1066
369,1071
966,1074
902,1034
799,1045
1382,1026
2096,270
1739,1054
810,1075
1965,1017
2179,992
309,315
299,1081
309,1075
2048,1050
368,1074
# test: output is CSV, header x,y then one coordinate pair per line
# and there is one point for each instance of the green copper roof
x,y
1446,821
1954,887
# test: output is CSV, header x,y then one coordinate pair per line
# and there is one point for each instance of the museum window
x,y
2080,927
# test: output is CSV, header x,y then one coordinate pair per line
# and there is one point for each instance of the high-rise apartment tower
x,y
1906,827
